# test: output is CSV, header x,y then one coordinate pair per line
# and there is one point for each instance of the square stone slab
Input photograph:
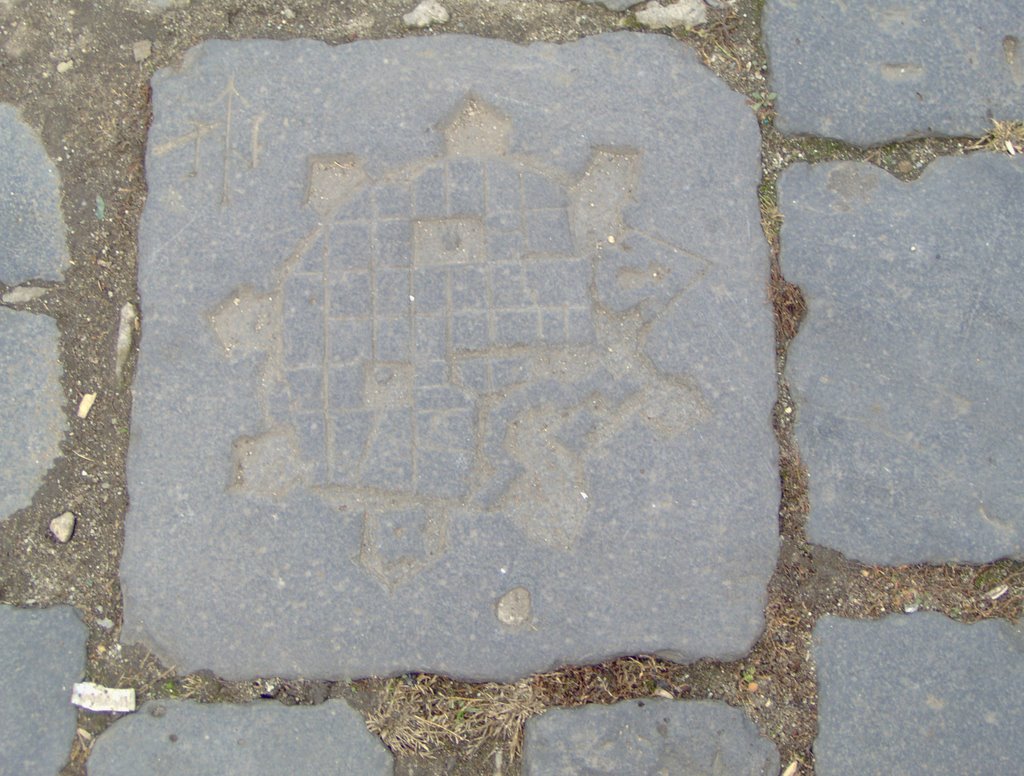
x,y
907,369
456,357
182,738
42,654
869,71
647,737
919,694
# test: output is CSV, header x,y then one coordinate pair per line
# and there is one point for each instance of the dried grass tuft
x,y
788,303
425,714
1006,137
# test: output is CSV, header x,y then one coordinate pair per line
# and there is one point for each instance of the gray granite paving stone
x,y
42,653
871,71
919,694
907,369
183,738
31,223
455,357
32,422
647,737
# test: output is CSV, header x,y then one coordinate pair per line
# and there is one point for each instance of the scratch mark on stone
x,y
995,522
255,141
194,137
225,198
1011,54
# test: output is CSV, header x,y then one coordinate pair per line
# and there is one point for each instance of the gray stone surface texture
x,y
907,369
647,737
919,694
42,653
871,71
456,357
32,227
32,422
184,738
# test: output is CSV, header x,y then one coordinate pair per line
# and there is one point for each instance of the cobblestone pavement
x,y
560,396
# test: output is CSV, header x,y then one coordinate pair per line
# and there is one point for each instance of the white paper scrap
x,y
95,697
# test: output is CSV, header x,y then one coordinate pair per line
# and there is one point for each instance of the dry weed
x,y
1005,137
788,303
426,713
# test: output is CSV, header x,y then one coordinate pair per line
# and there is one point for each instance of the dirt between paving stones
x,y
72,70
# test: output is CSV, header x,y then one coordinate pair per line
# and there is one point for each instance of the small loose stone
x,y
997,592
63,527
129,315
63,67
23,294
683,13
425,14
86,404
142,50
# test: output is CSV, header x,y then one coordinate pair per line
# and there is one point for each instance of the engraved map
x,y
424,344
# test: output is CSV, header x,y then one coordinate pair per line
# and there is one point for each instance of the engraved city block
x,y
466,371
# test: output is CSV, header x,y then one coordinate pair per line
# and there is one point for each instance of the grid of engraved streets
x,y
426,298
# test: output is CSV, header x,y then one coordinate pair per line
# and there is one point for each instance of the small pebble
x,y
23,294
682,13
86,404
425,14
997,592
63,67
141,50
125,332
106,623
63,527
